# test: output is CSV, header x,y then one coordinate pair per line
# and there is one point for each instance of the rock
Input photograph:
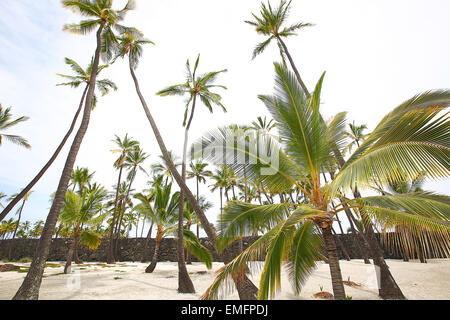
x,y
8,267
323,295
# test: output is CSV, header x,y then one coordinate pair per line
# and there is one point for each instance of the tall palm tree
x,y
355,135
81,77
194,87
412,138
199,172
78,211
103,18
272,20
134,52
6,123
125,146
270,24
25,199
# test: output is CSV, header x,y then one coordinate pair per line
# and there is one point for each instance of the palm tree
x,y
411,243
195,88
78,210
7,227
24,229
272,20
25,199
2,195
355,135
125,146
6,123
412,139
81,77
134,51
163,166
270,24
103,17
221,178
80,177
133,162
199,172
163,213
263,125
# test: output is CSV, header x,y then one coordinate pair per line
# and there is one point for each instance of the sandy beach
x,y
127,280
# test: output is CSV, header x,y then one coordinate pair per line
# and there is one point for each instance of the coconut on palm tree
x,y
105,19
412,138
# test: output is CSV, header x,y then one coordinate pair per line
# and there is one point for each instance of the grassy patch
x,y
52,265
117,278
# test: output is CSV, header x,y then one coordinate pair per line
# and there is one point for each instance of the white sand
x,y
91,281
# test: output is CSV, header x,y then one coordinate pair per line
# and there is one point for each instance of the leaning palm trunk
x,y
203,220
294,68
29,290
152,265
110,255
71,253
11,246
185,284
68,265
47,165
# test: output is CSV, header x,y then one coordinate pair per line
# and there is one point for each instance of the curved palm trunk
x,y
294,68
191,198
11,246
29,290
110,255
333,262
388,288
145,247
47,165
71,253
152,265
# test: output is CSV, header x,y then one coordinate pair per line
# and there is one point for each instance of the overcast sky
x,y
377,54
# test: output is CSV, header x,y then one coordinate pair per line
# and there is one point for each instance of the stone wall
x,y
131,249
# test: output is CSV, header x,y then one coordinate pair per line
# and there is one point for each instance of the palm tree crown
x,y
6,123
270,24
197,87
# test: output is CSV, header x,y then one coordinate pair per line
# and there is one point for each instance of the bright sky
x,y
376,53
